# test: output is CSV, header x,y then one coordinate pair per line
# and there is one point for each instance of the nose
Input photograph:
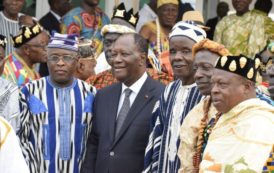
x,y
215,89
198,74
60,62
116,59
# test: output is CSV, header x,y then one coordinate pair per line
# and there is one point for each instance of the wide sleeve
x,y
24,132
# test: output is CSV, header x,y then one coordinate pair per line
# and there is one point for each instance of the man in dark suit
x,y
51,22
222,10
120,132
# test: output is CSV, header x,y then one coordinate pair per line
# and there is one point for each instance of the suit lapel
x,y
113,107
144,96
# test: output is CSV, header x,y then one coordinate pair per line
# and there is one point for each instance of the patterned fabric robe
x,y
168,115
55,123
78,21
247,34
16,70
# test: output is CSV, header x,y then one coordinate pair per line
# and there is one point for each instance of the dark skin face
x,y
2,62
204,66
229,90
270,73
61,71
180,49
222,9
12,8
167,15
241,6
35,49
109,39
265,55
128,60
61,7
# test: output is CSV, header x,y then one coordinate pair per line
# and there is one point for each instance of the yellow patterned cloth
x,y
189,135
247,34
241,140
269,165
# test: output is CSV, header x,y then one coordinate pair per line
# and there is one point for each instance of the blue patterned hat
x,y
64,41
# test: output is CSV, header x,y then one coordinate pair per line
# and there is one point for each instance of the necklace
x,y
204,132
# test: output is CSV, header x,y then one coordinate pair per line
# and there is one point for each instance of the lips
x,y
60,71
178,66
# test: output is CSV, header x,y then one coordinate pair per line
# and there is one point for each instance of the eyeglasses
x,y
65,58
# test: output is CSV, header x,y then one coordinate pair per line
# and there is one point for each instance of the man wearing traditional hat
x,y
246,32
243,137
156,32
9,105
56,112
30,48
87,61
120,17
122,23
86,21
205,54
178,99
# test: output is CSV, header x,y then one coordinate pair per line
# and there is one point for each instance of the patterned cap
x,y
128,16
115,28
3,41
188,29
196,17
64,41
26,34
241,65
210,45
163,2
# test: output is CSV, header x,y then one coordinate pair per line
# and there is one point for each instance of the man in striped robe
x,y
178,99
56,112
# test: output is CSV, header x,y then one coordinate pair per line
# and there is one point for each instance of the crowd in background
x,y
154,91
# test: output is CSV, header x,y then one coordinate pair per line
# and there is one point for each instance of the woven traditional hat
x,y
163,2
64,41
26,34
188,29
115,28
197,17
240,65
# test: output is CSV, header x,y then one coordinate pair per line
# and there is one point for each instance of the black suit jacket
x,y
125,154
212,24
50,23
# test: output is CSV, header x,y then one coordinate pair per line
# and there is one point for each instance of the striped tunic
x,y
55,124
168,115
8,27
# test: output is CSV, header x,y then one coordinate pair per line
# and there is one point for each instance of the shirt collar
x,y
136,87
56,15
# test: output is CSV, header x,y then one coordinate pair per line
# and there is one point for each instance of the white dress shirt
x,y
135,88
